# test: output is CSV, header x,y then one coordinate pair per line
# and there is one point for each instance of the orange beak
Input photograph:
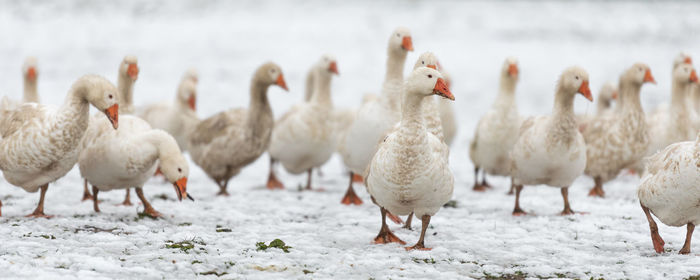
x,y
513,70
441,89
693,77
181,188
407,44
133,71
688,60
585,90
31,73
280,82
333,68
432,66
192,101
648,78
614,95
113,115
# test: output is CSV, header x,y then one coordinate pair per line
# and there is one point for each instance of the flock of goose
x,y
396,143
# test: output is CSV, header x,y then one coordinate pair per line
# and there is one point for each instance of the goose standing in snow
x,y
550,150
670,190
410,173
497,130
228,141
39,143
304,138
674,124
376,116
616,141
128,157
126,78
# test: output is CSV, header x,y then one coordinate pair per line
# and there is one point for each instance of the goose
x,y
497,130
178,118
616,141
669,190
604,103
549,149
447,112
304,138
674,124
127,157
127,74
40,142
410,173
30,74
376,116
228,141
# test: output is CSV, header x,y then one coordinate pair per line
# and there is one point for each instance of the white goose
x,y
497,130
674,124
616,141
550,150
447,113
178,118
228,141
127,74
304,137
669,189
40,142
127,157
410,173
376,116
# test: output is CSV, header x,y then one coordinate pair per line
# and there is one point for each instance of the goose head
x,y
426,81
574,80
187,94
175,168
191,74
638,74
426,59
271,74
129,68
29,69
685,74
328,65
510,69
607,94
682,58
400,41
102,94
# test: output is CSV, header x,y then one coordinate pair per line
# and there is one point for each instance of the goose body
x,y
669,189
178,118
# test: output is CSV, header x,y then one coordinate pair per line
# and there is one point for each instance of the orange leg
x,y
655,237
407,225
517,211
597,190
356,178
308,180
0,208
688,236
147,208
86,192
567,208
420,245
222,188
39,211
95,202
477,186
272,181
385,235
350,195
127,199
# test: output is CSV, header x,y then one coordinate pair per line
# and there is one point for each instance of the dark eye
x,y
272,71
110,96
430,76
422,62
179,170
640,69
576,77
398,35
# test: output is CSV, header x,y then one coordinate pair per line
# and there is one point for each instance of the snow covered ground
x,y
227,40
